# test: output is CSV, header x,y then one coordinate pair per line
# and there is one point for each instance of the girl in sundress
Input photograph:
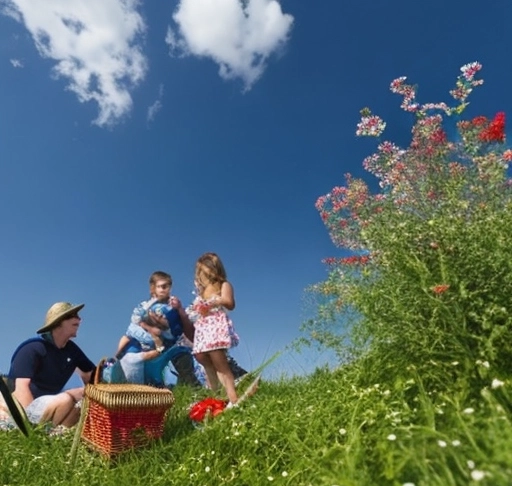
x,y
214,331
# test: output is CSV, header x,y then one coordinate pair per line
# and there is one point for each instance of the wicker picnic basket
x,y
119,417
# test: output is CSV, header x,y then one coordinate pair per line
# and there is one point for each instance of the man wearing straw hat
x,y
41,367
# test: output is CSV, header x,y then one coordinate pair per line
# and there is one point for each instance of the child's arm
x,y
122,344
141,311
139,333
226,298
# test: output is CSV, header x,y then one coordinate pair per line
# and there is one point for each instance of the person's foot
x,y
6,422
16,411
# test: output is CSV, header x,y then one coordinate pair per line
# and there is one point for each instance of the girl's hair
x,y
210,270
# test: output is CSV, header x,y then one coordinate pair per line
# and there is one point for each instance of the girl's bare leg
x,y
220,363
209,368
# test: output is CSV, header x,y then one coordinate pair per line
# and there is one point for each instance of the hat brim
x,y
50,325
15,409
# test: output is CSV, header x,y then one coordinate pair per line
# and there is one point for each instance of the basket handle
x,y
98,371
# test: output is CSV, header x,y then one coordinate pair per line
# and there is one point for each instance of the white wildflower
x,y
391,437
496,383
284,474
471,464
441,443
477,475
455,443
207,469
468,411
342,431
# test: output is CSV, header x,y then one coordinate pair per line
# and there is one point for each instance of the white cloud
x,y
95,44
239,35
6,8
156,106
16,63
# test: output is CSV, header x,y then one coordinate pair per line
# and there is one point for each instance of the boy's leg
x,y
184,365
236,369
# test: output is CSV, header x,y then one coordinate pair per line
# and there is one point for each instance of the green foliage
x,y
332,428
431,276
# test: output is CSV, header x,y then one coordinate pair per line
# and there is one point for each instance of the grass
x,y
329,428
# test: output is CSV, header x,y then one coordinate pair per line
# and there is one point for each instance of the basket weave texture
x,y
124,416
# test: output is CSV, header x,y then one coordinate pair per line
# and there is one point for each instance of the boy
x,y
155,327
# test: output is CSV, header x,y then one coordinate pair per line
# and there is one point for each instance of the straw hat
x,y
56,313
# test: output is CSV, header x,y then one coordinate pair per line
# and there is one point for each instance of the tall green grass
x,y
331,428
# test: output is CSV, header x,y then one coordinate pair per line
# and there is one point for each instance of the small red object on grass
x,y
209,406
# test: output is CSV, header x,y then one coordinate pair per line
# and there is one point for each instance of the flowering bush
x,y
431,274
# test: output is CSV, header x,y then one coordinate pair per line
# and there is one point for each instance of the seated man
x,y
41,367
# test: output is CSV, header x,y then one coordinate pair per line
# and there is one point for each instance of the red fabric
x,y
209,406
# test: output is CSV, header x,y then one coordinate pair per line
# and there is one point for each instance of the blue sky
x,y
136,136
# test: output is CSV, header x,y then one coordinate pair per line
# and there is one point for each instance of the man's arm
x,y
188,326
22,391
186,323
86,376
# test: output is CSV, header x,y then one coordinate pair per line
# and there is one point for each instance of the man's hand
x,y
155,321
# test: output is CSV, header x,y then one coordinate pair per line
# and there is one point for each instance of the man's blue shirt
x,y
48,367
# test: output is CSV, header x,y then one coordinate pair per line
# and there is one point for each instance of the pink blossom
x,y
469,70
418,179
371,126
